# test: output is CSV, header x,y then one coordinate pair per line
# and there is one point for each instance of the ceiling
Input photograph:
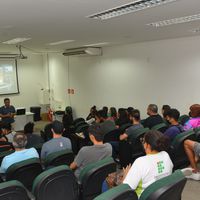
x,y
47,21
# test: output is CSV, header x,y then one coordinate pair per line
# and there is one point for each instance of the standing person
x,y
154,118
57,143
7,112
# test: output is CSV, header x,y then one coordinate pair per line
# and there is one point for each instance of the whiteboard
x,y
8,77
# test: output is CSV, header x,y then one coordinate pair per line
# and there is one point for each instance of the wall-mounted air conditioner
x,y
86,51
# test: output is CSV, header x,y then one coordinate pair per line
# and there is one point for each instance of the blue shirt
x,y
173,131
17,156
6,110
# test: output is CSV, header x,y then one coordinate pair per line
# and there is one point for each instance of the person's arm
x,y
124,136
78,160
73,166
134,175
43,152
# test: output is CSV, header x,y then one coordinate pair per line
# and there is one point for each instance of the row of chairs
x,y
55,183
170,187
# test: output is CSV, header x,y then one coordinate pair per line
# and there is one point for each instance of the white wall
x,y
160,72
31,81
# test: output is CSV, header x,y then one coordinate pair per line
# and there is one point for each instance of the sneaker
x,y
81,135
187,172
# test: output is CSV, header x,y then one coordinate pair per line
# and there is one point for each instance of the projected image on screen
x,y
8,77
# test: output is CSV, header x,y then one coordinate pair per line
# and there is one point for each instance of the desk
x,y
22,120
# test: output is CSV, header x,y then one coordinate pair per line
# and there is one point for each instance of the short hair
x,y
130,110
96,131
166,107
101,114
153,108
19,140
113,112
28,128
57,127
6,99
157,140
173,113
135,114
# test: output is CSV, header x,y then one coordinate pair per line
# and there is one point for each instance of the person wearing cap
x,y
57,143
20,154
194,121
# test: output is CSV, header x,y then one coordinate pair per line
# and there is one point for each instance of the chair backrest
x,y
112,136
58,183
124,127
24,171
5,153
183,119
93,175
197,132
162,127
135,142
78,120
169,187
121,192
13,190
82,128
64,157
177,152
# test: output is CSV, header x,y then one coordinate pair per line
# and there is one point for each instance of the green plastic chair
x,y
58,183
121,192
64,157
24,171
167,188
177,152
93,175
13,190
160,127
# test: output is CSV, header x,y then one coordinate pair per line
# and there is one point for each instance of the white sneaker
x,y
190,175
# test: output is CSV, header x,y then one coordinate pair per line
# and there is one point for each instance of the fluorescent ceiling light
x,y
61,42
196,30
179,20
97,44
128,8
16,40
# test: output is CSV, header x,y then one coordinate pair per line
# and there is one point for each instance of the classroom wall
x,y
160,72
31,81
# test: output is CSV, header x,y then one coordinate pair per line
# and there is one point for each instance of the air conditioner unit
x,y
85,51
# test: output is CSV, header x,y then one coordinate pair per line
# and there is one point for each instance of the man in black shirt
x,y
154,118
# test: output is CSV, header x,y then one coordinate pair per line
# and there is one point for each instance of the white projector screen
x,y
8,77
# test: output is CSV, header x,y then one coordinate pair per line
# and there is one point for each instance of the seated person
x,y
4,144
135,119
57,143
122,117
112,114
165,109
20,154
175,128
32,139
106,124
91,115
155,165
192,149
7,132
194,121
90,154
154,118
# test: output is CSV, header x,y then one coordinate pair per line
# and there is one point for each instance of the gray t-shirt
x,y
130,130
54,145
90,154
107,126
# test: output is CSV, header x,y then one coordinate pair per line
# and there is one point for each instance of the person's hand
x,y
126,170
